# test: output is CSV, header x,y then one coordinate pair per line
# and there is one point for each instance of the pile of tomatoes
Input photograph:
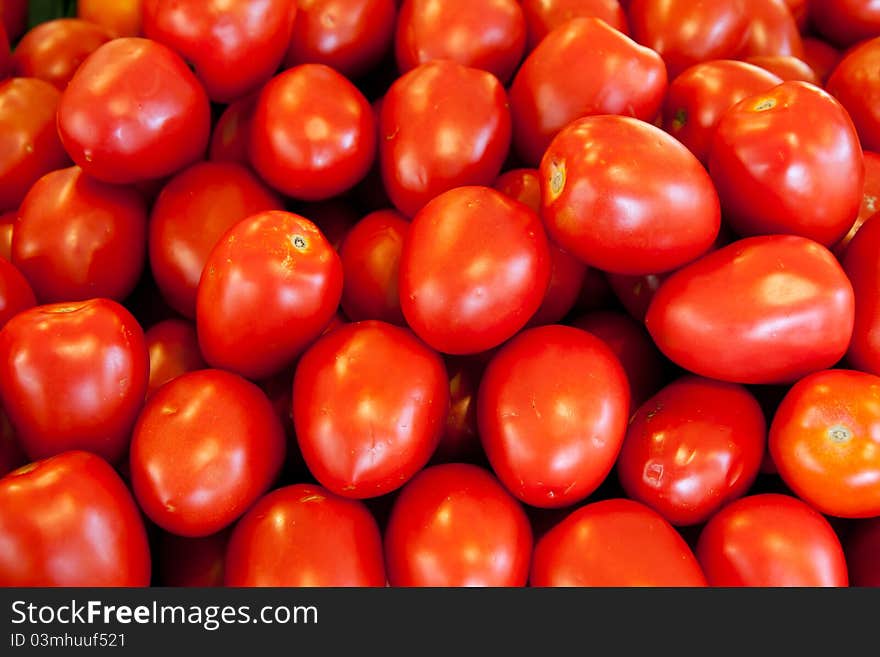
x,y
422,293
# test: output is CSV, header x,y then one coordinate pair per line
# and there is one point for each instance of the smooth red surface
x,y
870,201
543,16
123,18
855,82
173,345
772,30
862,264
16,293
53,51
232,132
786,67
845,22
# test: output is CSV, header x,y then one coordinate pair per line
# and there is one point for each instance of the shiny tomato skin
x,y
173,345
16,293
692,448
52,51
192,562
635,292
269,287
232,132
543,16
768,309
552,411
771,540
845,22
870,201
771,155
468,107
786,67
69,520
7,224
313,134
455,525
205,447
583,67
133,112
605,190
474,269
123,18
862,548
772,30
235,46
821,56
617,543
855,82
862,264
29,143
824,441
304,535
51,355
192,212
78,238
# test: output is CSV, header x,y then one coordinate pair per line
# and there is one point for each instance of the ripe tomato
x,y
361,432
134,111
29,144
870,201
770,540
474,269
617,543
232,132
543,16
786,67
173,346
121,17
313,134
442,125
7,223
856,84
635,292
192,562
5,55
193,211
16,294
821,57
606,194
73,376
765,309
862,549
862,265
455,525
69,520
78,238
552,433
581,68
269,287
206,446
772,30
845,22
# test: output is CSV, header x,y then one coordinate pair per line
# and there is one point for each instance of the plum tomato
x,y
862,264
543,16
173,345
855,82
16,293
870,201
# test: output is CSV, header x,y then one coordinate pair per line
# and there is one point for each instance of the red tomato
x,y
269,288
206,446
14,17
134,111
461,440
636,292
313,134
474,269
788,161
52,51
70,521
5,55
543,16
442,125
614,543
16,294
484,34
7,223
455,525
192,562
800,12
121,17
78,238
862,265
856,84
821,57
685,33
862,548
845,22
235,46
824,441
191,214
304,535
786,67
771,540
335,218
350,36
29,144
362,432
581,68
173,346
870,201
552,433
11,456
607,191
232,132
772,30
761,310
73,376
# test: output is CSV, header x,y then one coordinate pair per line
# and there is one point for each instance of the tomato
x,y
205,447
799,10
16,294
772,30
7,224
786,67
461,440
269,288
606,186
474,269
543,16
193,211
121,17
862,549
313,134
686,33
361,432
14,17
870,201
29,144
862,265
771,540
304,535
777,173
335,218
765,309
73,376
231,136
350,36
484,34
581,68
636,292
442,125
824,441
69,520
5,55
856,84
552,433
52,51
11,456
173,346
78,238
845,22
235,46
455,525
616,543
192,562
370,257
821,57
134,111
